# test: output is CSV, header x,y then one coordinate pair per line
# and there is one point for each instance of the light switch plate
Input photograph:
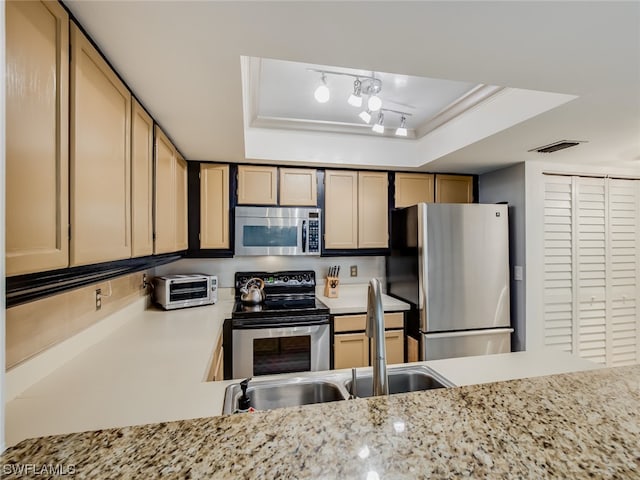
x,y
517,273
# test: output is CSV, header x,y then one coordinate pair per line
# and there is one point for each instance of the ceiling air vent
x,y
554,147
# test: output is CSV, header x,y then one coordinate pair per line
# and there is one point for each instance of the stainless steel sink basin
x,y
402,380
294,391
265,395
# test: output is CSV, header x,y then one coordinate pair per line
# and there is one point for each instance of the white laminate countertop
x,y
353,299
154,369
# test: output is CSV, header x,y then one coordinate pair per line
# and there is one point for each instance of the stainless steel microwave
x,y
180,291
277,231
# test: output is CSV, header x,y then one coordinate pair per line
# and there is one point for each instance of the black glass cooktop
x,y
288,294
289,305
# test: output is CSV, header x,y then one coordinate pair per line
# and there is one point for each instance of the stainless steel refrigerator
x,y
451,263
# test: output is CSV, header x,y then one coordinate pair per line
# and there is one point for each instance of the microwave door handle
x,y
304,236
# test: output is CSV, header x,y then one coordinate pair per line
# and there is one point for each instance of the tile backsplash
x,y
225,268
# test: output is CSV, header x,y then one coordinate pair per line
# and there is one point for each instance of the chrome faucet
x,y
375,330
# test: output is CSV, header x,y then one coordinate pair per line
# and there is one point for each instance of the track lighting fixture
x,y
355,98
378,127
363,85
401,131
365,115
322,93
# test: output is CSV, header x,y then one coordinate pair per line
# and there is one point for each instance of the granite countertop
x,y
578,425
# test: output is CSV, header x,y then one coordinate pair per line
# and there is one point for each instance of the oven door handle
x,y
238,324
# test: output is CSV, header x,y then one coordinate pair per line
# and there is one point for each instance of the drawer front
x,y
350,323
394,320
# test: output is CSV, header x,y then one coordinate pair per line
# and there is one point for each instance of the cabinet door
x,y
257,185
373,210
412,188
454,189
298,187
350,350
214,206
141,182
412,350
100,158
37,141
182,242
394,343
165,214
341,209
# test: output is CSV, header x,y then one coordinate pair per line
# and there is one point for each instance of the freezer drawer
x,y
464,344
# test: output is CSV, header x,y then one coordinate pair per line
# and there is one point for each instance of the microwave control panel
x,y
314,235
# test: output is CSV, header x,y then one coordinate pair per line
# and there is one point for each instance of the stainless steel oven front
x,y
280,349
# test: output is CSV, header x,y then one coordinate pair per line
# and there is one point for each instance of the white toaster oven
x,y
180,291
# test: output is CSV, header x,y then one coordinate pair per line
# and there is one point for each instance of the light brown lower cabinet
x,y
412,350
216,373
394,343
351,350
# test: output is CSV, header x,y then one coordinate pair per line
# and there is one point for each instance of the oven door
x,y
266,351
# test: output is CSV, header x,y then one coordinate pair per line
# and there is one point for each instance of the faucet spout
x,y
375,331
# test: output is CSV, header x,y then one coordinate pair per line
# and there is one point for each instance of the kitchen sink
x,y
265,395
295,391
401,380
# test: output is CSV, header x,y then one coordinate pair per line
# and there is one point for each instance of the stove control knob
x,y
285,279
306,277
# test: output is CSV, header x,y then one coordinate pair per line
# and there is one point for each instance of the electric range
x,y
287,332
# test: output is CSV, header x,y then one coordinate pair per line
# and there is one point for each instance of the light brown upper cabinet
x,y
298,187
356,209
182,219
171,196
214,206
257,185
412,188
373,210
100,158
340,209
37,141
141,182
454,188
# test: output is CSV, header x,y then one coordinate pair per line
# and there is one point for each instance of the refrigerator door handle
x,y
469,333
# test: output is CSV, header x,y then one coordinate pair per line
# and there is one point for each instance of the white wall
x,y
508,185
534,220
2,190
225,268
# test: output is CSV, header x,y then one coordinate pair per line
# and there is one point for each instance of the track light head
x,y
401,131
374,103
379,127
322,93
355,98
365,115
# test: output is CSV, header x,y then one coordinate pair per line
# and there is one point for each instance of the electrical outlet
x,y
145,281
98,298
354,270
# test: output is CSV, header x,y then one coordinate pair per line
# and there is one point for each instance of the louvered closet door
x,y
591,261
624,199
558,259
